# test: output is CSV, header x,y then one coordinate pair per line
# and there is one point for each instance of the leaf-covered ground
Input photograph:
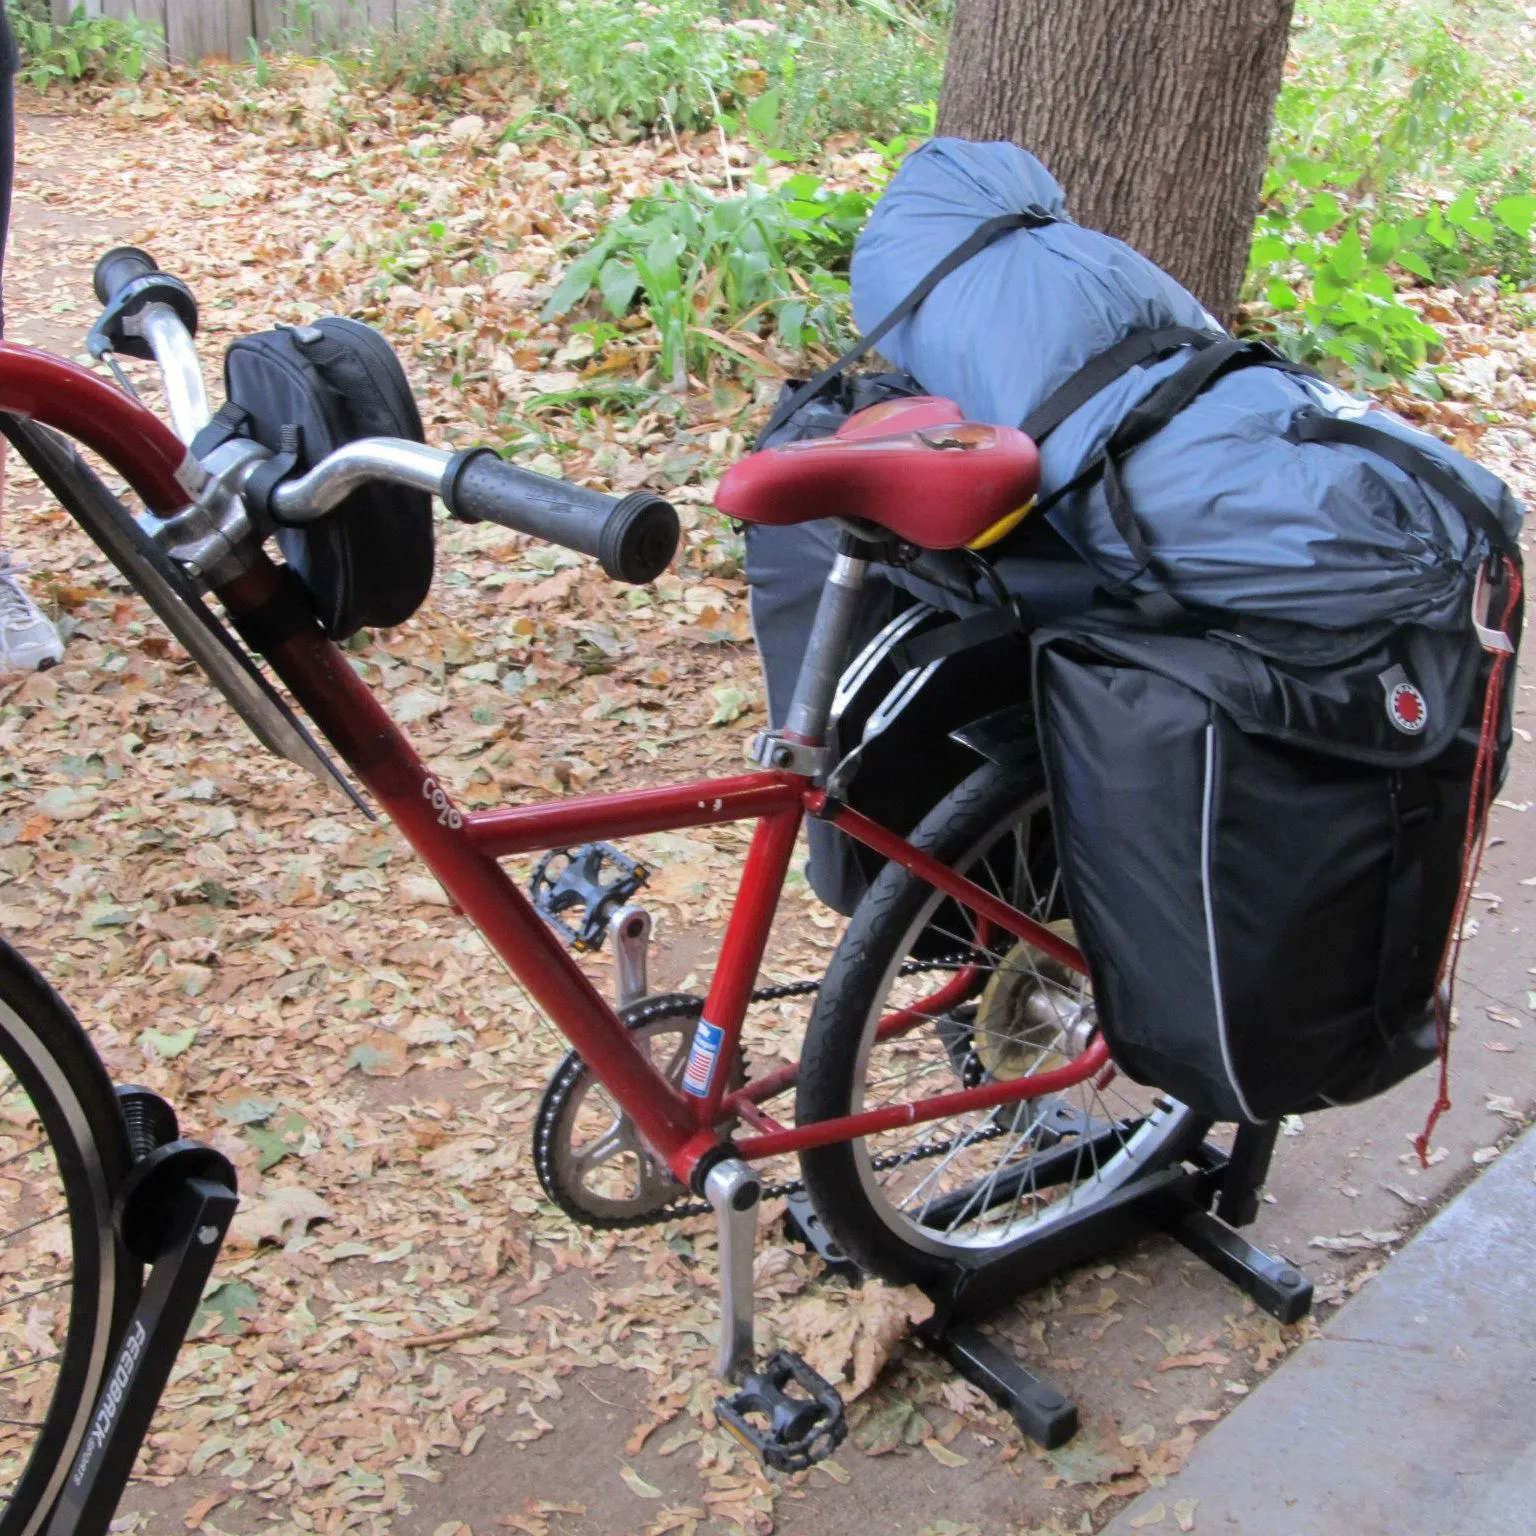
x,y
404,1336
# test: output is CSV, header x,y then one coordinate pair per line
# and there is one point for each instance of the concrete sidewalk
x,y
1412,1414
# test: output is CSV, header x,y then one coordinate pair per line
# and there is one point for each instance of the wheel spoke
x,y
5,1237
42,1290
21,1365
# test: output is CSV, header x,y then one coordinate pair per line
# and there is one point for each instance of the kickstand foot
x,y
1279,1288
1044,1414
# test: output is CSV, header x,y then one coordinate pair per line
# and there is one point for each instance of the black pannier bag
x,y
1263,857
1269,722
307,390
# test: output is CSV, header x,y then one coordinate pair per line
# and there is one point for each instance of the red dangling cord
x,y
1473,843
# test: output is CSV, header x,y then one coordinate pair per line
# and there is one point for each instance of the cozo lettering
x,y
446,815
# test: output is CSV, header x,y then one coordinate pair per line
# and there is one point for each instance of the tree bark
x,y
1154,115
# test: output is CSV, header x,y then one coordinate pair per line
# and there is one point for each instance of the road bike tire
x,y
909,1204
66,1285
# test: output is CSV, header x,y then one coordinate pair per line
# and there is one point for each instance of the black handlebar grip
x,y
634,537
118,268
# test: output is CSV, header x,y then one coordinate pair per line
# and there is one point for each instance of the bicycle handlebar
x,y
119,267
633,537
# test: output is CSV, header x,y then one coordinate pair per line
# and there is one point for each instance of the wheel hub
x,y
1035,1013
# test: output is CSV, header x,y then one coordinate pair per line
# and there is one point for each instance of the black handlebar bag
x,y
303,392
1262,857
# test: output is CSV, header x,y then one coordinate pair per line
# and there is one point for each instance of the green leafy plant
x,y
1371,125
649,65
786,77
701,265
104,48
440,42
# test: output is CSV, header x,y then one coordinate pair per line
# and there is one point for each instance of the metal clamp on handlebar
x,y
145,284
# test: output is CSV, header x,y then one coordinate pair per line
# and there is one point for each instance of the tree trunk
x,y
1153,114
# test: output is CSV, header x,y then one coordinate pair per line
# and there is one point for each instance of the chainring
x,y
655,1196
588,1154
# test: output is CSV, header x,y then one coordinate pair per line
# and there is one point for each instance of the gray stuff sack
x,y
1242,517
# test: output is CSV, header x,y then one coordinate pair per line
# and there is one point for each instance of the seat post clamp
x,y
773,749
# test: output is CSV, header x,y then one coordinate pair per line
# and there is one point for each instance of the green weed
x,y
103,48
1375,122
700,264
793,75
440,42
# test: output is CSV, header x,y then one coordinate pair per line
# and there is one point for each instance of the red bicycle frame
x,y
462,849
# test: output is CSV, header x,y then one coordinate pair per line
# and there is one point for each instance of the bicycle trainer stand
x,y
171,1214
787,1413
1177,1201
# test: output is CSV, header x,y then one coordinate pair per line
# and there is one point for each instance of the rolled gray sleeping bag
x,y
1239,517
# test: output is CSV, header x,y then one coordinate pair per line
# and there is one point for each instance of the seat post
x,y
827,650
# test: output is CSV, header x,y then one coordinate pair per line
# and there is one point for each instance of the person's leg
x,y
28,640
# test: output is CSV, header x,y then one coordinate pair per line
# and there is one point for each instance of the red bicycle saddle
x,y
915,467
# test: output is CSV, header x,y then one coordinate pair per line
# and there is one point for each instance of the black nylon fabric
x,y
1315,689
824,411
369,562
1263,920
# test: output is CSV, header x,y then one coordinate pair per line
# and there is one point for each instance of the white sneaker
x,y
28,641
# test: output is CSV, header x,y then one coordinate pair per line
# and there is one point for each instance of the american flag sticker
x,y
700,1070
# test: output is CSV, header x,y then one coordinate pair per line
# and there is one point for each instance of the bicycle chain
x,y
647,1011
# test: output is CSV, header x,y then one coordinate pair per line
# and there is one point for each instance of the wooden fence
x,y
196,29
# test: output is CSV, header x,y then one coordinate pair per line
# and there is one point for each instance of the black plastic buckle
x,y
801,1430
580,883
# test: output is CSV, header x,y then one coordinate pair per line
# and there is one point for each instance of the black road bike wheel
x,y
66,1287
908,1203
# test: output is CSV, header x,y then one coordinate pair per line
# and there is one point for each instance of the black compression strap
x,y
1193,379
978,239
1318,427
950,639
1103,369
1170,397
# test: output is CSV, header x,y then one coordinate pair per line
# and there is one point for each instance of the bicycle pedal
x,y
595,877
801,1428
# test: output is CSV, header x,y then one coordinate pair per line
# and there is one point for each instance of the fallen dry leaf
x,y
1204,1357
847,1336
276,1217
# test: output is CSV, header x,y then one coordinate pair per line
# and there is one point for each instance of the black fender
x,y
1006,737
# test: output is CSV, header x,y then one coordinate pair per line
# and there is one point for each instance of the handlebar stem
x,y
215,538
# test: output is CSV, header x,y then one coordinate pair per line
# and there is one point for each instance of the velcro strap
x,y
950,639
230,420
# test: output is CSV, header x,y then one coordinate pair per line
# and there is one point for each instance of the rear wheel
x,y
907,1203
65,1286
